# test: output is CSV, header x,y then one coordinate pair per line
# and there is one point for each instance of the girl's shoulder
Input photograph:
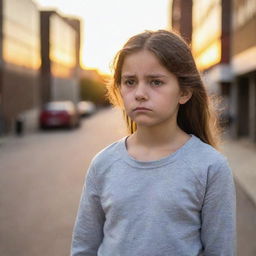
x,y
204,155
206,163
108,155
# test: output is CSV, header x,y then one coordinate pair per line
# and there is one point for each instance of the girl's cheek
x,y
123,95
123,92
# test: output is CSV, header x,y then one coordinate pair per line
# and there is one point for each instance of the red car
x,y
59,114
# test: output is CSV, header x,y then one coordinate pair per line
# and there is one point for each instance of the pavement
x,y
45,194
241,154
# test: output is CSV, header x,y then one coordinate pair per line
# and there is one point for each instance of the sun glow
x,y
106,25
211,56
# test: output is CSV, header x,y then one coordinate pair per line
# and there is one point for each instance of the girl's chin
x,y
144,122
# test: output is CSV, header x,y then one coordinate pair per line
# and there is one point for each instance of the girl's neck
x,y
157,137
153,144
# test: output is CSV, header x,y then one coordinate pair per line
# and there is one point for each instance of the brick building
x,y
39,62
19,60
243,62
224,46
60,50
211,43
181,18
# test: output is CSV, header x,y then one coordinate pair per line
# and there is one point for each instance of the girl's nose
x,y
141,93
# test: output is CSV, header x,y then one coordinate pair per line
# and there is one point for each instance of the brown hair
x,y
196,116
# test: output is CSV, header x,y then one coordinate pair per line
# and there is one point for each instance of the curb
x,y
241,155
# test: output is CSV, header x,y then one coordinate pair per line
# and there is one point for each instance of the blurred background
x,y
55,61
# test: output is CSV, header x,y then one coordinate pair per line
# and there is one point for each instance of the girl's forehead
x,y
143,62
144,53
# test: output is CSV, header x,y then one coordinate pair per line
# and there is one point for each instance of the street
x,y
41,178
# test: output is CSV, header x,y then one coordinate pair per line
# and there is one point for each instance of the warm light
x,y
62,42
106,25
21,45
209,57
61,71
20,56
206,44
58,56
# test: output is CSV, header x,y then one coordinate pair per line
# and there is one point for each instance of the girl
x,y
164,190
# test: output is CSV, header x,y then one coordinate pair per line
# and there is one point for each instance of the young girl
x,y
164,190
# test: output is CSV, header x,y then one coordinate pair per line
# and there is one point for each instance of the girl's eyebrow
x,y
156,76
128,76
147,76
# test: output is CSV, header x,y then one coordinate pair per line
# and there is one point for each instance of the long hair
x,y
197,116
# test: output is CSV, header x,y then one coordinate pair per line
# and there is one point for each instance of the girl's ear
x,y
185,96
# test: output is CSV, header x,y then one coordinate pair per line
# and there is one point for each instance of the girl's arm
x,y
218,233
88,229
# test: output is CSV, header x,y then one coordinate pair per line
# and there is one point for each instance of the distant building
x,y
181,18
76,24
243,60
60,50
39,61
224,47
211,42
19,60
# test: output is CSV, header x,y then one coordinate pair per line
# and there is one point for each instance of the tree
x,y
94,91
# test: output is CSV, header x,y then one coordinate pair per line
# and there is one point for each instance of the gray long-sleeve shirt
x,y
180,205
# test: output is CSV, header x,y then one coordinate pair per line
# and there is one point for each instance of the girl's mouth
x,y
142,109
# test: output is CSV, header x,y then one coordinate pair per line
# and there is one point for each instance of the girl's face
x,y
150,93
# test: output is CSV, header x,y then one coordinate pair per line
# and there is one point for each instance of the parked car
x,y
59,114
86,108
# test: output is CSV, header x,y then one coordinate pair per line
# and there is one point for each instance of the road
x,y
41,177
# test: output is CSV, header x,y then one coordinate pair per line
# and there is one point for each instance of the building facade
x,y
39,62
211,43
19,60
60,58
224,47
181,18
243,62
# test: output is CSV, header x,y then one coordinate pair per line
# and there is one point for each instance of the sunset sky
x,y
107,24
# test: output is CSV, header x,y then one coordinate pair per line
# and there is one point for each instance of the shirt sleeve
x,y
218,231
88,229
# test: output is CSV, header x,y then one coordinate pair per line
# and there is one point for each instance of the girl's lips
x,y
142,109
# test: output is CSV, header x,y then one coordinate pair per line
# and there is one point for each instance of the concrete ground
x,y
41,177
242,158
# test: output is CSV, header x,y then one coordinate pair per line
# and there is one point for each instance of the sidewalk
x,y
242,158
241,155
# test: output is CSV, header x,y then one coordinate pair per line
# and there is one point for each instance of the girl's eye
x,y
156,82
129,82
